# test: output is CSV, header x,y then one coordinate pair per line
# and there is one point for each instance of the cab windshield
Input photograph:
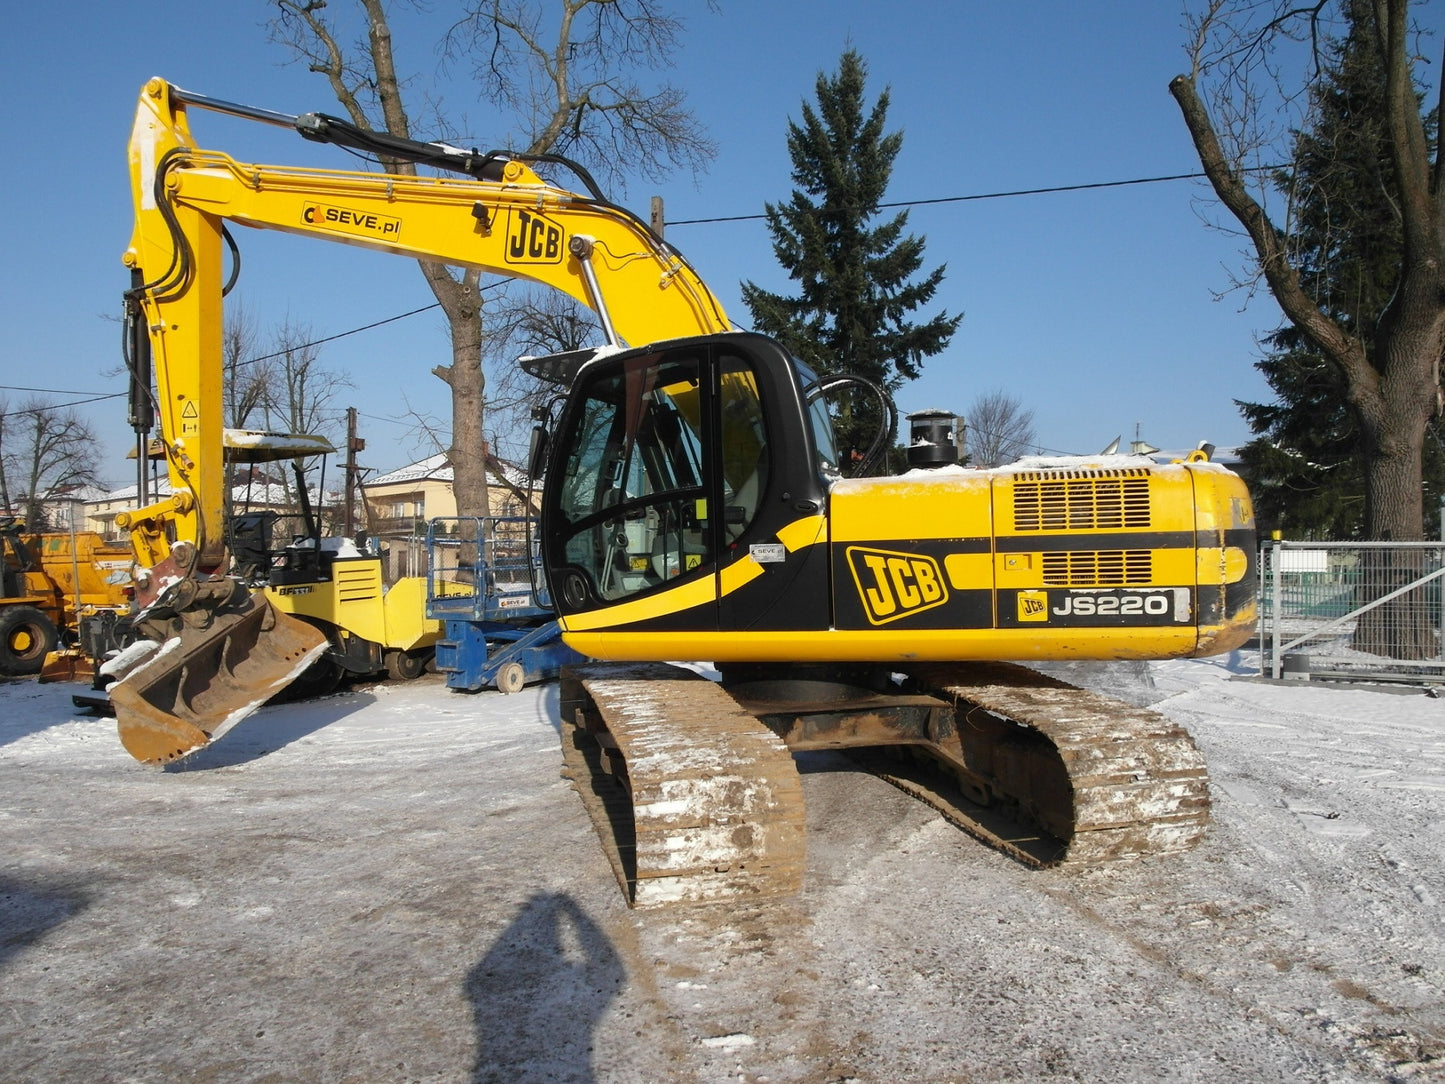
x,y
820,421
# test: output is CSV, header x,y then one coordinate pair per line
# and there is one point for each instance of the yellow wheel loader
x,y
50,582
694,509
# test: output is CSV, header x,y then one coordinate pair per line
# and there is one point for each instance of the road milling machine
x,y
333,584
693,509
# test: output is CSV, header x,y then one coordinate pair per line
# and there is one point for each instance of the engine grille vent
x,y
1082,500
1101,568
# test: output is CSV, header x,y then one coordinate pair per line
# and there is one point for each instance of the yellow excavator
x,y
693,508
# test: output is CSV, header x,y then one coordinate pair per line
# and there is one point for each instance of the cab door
x,y
629,532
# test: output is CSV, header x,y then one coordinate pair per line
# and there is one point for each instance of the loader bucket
x,y
66,664
203,681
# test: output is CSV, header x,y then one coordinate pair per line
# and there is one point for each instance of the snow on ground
x,y
395,883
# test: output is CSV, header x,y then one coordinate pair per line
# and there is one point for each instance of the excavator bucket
x,y
224,664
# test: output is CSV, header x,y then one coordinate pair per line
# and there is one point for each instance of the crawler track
x,y
1104,780
693,798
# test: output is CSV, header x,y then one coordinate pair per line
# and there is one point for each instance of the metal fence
x,y
1352,610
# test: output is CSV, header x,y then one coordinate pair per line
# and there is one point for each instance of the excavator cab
x,y
675,462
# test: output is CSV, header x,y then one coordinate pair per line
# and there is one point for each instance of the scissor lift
x,y
485,584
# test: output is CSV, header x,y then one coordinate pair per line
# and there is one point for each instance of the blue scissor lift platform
x,y
484,583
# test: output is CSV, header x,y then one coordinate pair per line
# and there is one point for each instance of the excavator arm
x,y
224,650
514,225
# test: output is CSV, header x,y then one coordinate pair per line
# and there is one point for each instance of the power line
x,y
248,361
340,335
987,195
58,406
411,424
44,391
355,330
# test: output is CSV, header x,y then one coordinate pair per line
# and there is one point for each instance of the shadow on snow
x,y
539,993
273,727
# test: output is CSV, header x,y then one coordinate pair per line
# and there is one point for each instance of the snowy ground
x,y
395,883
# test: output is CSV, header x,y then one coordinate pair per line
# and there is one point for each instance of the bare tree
x,y
4,459
567,80
1237,86
247,385
301,397
999,429
563,77
1394,377
533,321
248,376
46,451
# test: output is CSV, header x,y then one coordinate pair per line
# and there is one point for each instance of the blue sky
x,y
1097,309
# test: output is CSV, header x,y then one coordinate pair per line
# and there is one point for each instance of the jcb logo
x,y
533,239
1033,605
894,585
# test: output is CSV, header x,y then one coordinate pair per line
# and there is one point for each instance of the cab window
x,y
666,459
745,450
634,498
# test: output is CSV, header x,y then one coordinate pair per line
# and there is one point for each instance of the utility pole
x,y
5,485
354,444
658,222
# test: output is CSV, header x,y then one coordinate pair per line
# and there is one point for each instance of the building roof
x,y
438,468
83,493
257,493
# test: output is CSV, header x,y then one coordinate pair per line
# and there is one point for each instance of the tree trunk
x,y
649,132
1402,627
1392,387
467,453
4,481
1394,501
1394,424
459,298
461,301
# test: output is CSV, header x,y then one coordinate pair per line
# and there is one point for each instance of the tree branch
x,y
1270,244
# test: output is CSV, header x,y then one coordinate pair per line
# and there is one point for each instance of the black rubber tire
x,y
406,665
26,637
319,679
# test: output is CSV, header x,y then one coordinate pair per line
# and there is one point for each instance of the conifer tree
x,y
858,279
